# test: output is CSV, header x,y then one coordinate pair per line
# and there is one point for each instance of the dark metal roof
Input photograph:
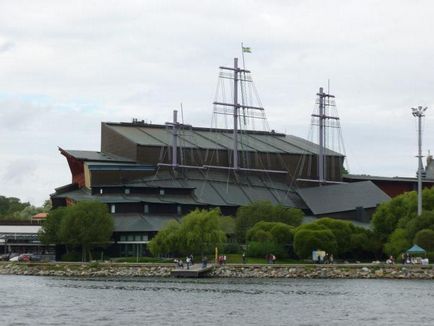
x,y
216,139
140,222
342,197
96,156
216,188
84,194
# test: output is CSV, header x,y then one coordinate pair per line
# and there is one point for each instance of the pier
x,y
195,271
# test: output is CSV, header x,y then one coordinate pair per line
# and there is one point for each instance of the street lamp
x,y
419,112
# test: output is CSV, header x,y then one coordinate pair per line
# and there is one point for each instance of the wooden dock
x,y
194,271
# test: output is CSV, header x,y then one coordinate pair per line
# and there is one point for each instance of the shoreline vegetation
x,y
308,271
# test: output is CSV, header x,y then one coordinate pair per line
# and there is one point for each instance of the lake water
x,y
27,300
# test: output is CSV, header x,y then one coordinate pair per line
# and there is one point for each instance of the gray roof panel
x,y
342,197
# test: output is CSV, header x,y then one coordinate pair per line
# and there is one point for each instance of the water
x,y
27,300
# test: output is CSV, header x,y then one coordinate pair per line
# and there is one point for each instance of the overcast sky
x,y
65,66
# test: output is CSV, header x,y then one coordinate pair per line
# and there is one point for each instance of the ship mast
x,y
237,80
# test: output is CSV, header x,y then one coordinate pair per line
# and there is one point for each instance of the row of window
x,y
127,191
146,209
133,237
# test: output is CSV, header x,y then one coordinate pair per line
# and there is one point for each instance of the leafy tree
x,y
364,244
50,231
199,232
387,216
248,216
425,239
264,248
342,230
167,240
86,224
282,233
9,206
423,221
227,224
397,242
278,232
313,236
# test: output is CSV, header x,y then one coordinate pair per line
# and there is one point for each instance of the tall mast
x,y
322,117
237,74
236,107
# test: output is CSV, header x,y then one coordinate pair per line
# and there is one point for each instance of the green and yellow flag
x,y
246,49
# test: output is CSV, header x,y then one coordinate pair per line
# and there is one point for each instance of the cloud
x,y
72,65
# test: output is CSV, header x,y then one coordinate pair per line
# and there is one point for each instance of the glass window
x,y
127,191
146,209
113,208
130,237
123,237
162,192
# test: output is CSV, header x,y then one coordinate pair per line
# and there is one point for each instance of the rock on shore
x,y
356,271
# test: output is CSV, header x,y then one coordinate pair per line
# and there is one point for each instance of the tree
x,y
398,210
86,224
313,236
397,242
342,230
9,206
425,239
199,233
278,232
247,216
168,240
50,230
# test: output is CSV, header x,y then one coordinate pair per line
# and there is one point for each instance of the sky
x,y
65,66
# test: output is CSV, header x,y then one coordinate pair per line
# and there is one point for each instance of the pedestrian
x,y
331,259
188,262
191,259
204,262
244,257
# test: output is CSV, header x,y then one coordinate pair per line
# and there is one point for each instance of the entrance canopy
x,y
416,250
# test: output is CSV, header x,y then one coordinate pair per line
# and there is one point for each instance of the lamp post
x,y
419,112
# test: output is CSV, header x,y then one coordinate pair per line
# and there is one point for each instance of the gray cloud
x,y
70,66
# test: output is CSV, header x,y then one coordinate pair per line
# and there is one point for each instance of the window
x,y
146,209
101,191
127,191
179,210
123,237
161,192
113,208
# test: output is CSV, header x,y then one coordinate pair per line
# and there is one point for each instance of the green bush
x,y
425,239
262,249
306,240
232,248
71,256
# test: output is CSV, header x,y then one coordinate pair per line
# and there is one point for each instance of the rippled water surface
x,y
26,300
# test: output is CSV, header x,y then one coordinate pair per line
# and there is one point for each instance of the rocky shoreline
x,y
309,271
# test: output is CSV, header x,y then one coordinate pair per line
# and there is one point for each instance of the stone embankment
x,y
349,271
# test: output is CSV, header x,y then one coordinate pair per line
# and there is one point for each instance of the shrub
x,y
232,248
425,239
262,249
306,240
